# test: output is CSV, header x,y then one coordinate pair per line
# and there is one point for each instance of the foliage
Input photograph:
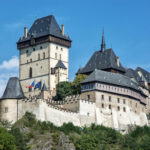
x,y
6,124
76,83
63,89
69,127
95,137
20,141
7,141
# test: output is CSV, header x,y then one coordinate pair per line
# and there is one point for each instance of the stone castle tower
x,y
44,55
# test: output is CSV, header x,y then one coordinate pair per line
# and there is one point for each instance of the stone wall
x,y
76,110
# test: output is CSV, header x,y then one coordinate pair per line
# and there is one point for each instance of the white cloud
x,y
13,63
9,68
4,77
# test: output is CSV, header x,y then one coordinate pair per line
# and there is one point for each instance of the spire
x,y
103,42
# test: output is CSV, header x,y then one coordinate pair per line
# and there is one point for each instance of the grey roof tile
x,y
111,78
145,73
60,64
45,26
13,89
44,88
102,60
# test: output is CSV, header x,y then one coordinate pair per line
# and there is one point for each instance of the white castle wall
x,y
87,114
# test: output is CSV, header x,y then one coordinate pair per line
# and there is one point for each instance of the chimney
x,y
118,62
25,32
62,29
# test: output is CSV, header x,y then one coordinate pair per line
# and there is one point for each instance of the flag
x,y
38,85
32,85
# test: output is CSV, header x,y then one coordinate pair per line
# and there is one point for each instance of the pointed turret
x,y
103,42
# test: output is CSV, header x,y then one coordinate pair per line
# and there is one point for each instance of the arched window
x,y
30,72
118,108
44,55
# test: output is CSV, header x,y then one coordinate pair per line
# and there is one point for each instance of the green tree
x,y
76,83
63,89
7,141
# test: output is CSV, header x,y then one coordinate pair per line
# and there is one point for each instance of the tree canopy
x,y
7,141
64,89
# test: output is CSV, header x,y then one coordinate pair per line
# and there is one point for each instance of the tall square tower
x,y
44,55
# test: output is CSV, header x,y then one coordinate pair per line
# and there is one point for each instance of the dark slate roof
x,y
60,64
133,74
45,26
102,60
44,88
13,89
145,73
111,78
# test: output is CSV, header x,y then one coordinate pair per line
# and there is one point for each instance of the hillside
x,y
28,133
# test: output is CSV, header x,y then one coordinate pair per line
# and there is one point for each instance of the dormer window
x,y
41,47
27,51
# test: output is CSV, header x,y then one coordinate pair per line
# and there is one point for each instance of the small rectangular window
x,y
88,96
55,55
109,106
38,56
109,98
124,101
118,100
52,70
102,105
6,109
102,97
124,109
30,89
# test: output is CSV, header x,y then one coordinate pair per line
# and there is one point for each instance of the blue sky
x,y
126,24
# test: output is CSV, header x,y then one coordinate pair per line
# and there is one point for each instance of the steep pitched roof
x,y
45,26
44,88
60,64
145,73
133,74
102,60
13,89
111,78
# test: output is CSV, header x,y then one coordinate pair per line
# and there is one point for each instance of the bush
x,y
87,143
7,141
69,127
20,141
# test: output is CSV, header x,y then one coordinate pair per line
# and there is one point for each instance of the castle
x,y
111,95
